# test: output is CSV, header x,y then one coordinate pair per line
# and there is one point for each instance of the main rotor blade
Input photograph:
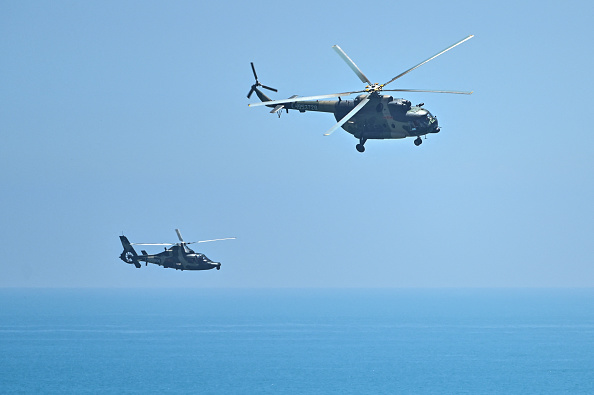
x,y
179,235
152,244
251,91
351,113
171,244
431,58
208,241
302,98
429,91
351,64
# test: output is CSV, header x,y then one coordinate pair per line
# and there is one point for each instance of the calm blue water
x,y
297,341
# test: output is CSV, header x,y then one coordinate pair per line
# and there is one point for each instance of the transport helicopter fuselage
x,y
383,117
372,114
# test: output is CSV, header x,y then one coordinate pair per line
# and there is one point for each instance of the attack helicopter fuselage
x,y
178,258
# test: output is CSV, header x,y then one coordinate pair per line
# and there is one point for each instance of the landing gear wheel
x,y
360,147
418,141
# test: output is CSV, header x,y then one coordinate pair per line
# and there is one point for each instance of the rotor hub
x,y
373,88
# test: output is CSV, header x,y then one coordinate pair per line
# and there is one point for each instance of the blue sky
x,y
131,117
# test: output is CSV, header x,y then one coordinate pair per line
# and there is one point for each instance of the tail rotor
x,y
129,255
257,84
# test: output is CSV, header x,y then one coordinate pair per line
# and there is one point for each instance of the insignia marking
x,y
310,107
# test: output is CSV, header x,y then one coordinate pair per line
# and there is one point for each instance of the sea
x,y
297,341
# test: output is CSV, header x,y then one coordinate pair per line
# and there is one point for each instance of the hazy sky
x,y
132,117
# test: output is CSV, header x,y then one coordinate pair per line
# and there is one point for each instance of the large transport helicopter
x,y
370,115
179,256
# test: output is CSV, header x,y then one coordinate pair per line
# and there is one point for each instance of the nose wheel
x,y
360,147
418,141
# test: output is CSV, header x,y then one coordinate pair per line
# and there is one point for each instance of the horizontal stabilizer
x,y
281,106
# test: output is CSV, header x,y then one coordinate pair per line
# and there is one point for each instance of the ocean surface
x,y
303,341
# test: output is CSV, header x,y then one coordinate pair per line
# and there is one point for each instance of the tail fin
x,y
129,255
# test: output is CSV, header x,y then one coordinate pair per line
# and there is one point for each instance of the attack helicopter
x,y
370,115
178,257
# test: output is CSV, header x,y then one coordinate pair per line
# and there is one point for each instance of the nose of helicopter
x,y
436,127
